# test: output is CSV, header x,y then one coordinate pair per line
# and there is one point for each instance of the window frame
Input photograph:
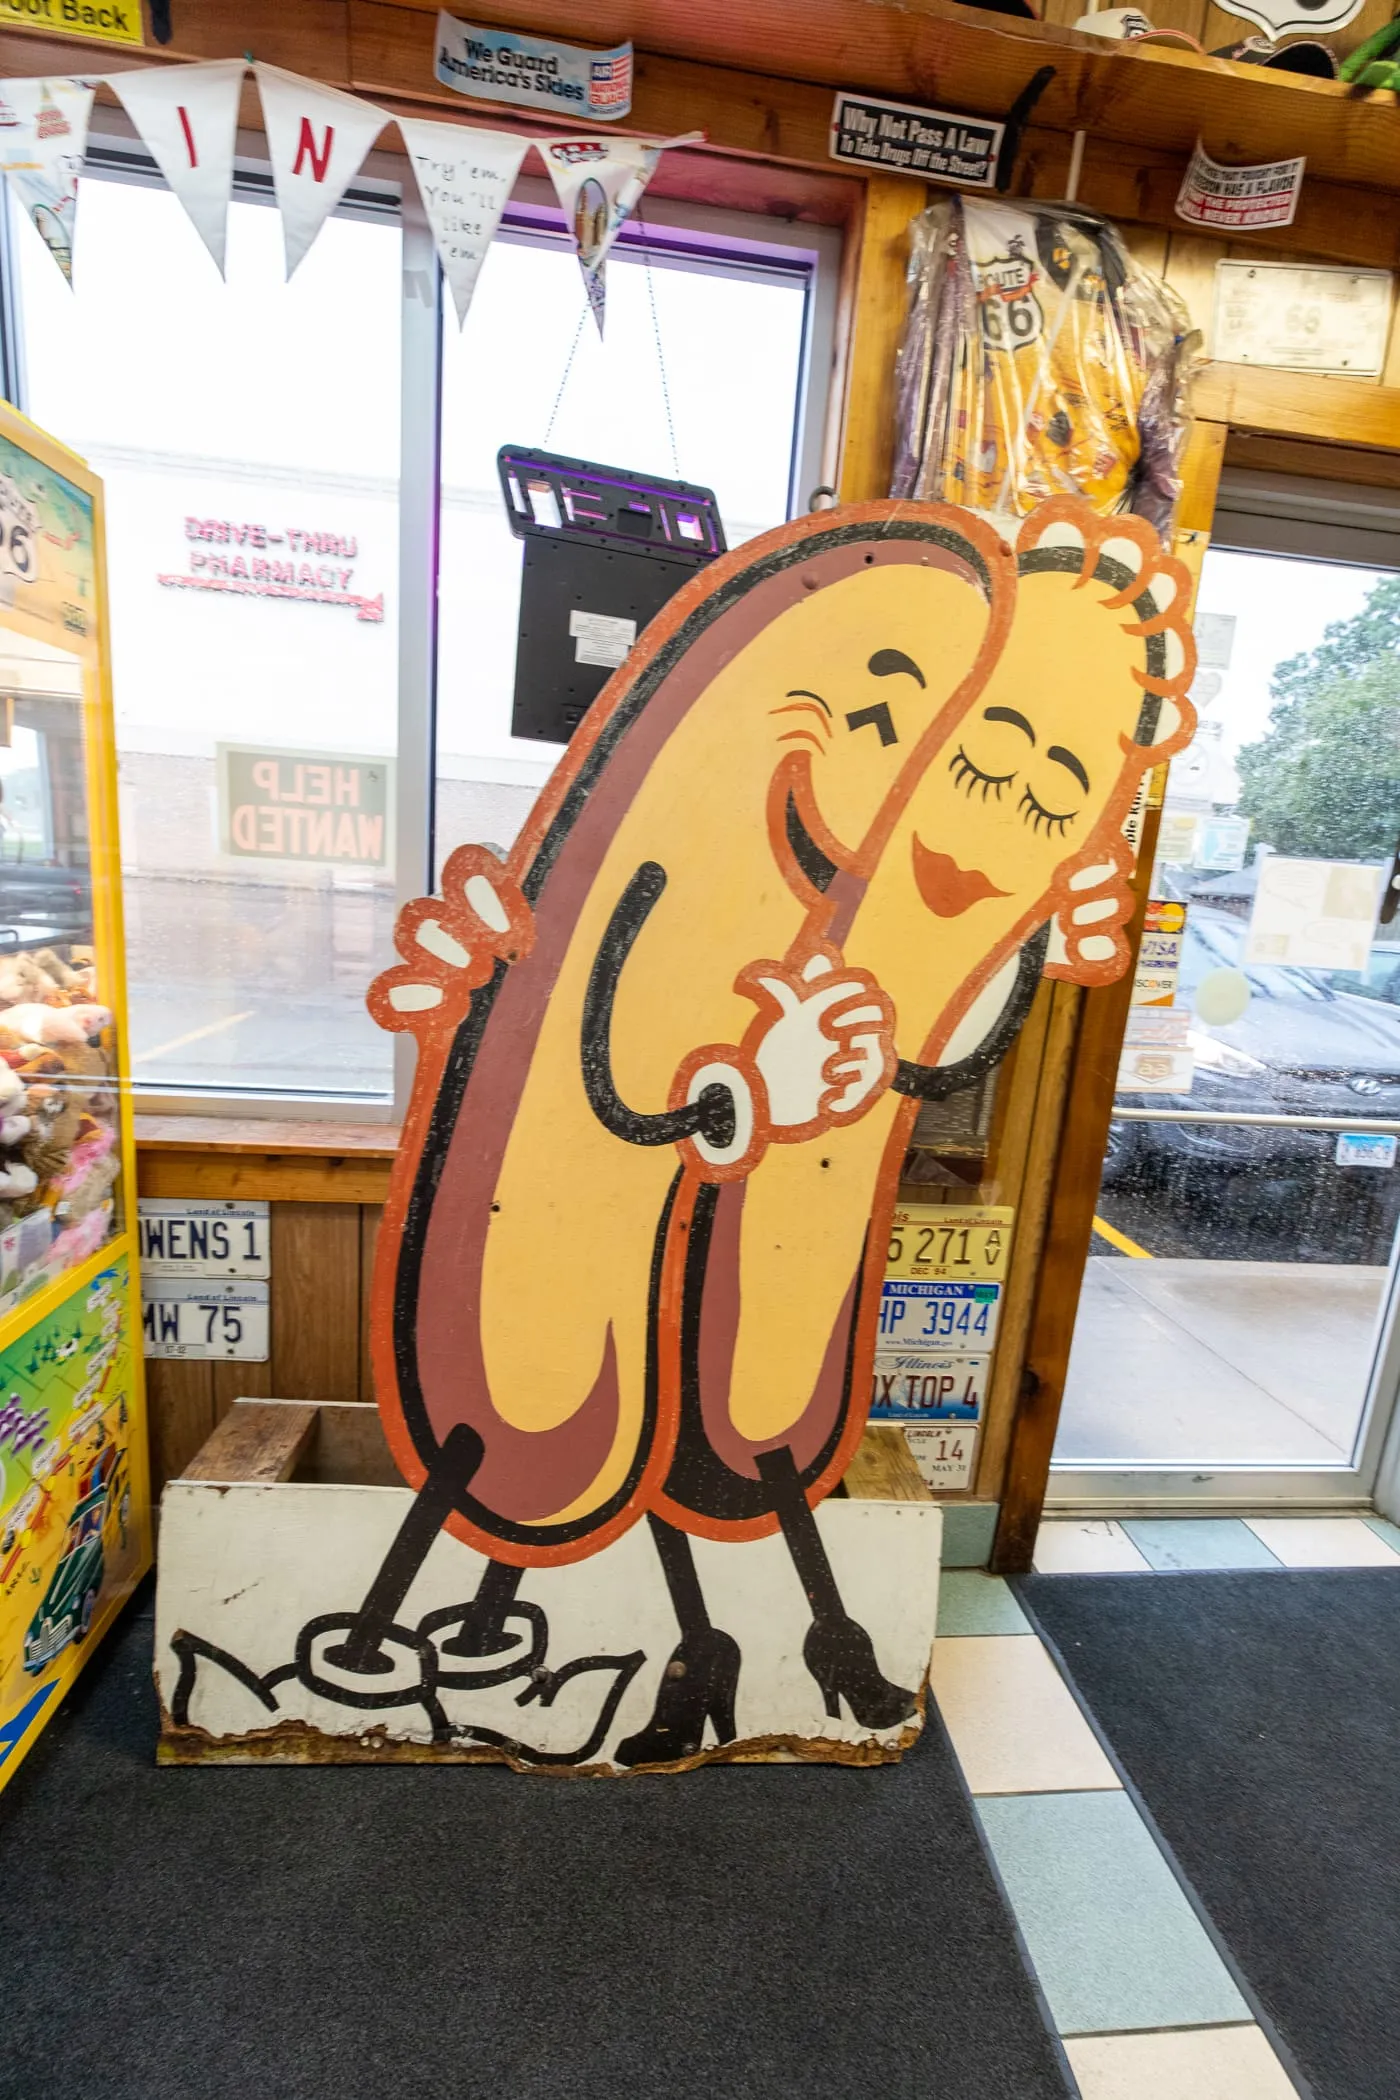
x,y
673,234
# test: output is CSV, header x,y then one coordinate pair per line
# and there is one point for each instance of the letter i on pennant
x,y
317,139
187,118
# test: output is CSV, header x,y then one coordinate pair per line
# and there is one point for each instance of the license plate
x,y
204,1239
186,1318
931,1241
1371,1148
938,1316
943,1453
913,1386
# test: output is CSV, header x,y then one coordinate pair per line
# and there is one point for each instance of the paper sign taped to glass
x,y
1314,914
854,791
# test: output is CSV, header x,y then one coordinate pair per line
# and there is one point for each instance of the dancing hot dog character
x,y
800,868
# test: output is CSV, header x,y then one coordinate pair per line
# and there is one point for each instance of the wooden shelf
x,y
739,67
210,1158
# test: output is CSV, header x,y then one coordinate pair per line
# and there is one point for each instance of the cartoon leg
x,y
838,1652
484,1620
460,1454
701,1677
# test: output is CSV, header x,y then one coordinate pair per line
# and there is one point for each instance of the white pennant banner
x,y
187,117
317,140
465,178
599,184
43,137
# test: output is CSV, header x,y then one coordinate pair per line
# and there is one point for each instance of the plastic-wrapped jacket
x,y
1038,359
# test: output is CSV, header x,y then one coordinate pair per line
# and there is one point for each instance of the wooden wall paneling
x,y
867,451
370,1215
180,1413
315,1301
1148,247
238,1380
1139,183
311,37
1190,272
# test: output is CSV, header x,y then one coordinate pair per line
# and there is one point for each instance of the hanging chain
x,y
660,353
568,367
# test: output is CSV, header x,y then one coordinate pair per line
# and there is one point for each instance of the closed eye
x,y
1042,819
970,777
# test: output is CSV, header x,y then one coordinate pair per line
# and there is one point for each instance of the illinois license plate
x,y
933,1241
204,1239
913,1386
184,1318
943,1452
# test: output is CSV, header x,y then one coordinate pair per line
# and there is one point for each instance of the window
x,y
274,723
699,377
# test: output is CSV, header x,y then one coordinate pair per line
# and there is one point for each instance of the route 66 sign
x,y
18,523
1010,312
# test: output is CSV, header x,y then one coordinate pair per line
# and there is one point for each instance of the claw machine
x,y
75,1519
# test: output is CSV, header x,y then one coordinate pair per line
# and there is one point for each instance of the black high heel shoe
x,y
841,1656
697,1686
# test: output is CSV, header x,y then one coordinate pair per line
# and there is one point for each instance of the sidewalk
x,y
1219,1362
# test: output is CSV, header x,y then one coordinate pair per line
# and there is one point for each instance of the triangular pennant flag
x,y
317,139
188,118
465,178
43,137
599,183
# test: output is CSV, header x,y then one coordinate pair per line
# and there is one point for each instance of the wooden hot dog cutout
x,y
802,865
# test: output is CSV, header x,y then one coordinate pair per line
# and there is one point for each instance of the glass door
x,y
1233,1333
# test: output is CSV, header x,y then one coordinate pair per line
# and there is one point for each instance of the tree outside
x,y
1323,782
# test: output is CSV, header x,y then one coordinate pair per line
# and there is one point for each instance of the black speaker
x,y
604,550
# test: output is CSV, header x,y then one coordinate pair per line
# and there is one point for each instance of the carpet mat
x,y
1258,1714
378,1932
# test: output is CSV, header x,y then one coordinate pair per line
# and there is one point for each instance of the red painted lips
x,y
947,889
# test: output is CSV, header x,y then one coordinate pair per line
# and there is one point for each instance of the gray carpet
x,y
1258,1714
376,1933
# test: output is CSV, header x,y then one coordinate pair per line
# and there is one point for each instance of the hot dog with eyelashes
x,y
911,790
677,841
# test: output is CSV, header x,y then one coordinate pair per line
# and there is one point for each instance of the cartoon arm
x,y
818,1053
985,1033
452,944
716,1111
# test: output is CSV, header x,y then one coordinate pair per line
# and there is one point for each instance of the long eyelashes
x,y
970,777
1042,819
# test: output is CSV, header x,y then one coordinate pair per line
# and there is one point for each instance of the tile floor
x,y
1145,2004
1138,1545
